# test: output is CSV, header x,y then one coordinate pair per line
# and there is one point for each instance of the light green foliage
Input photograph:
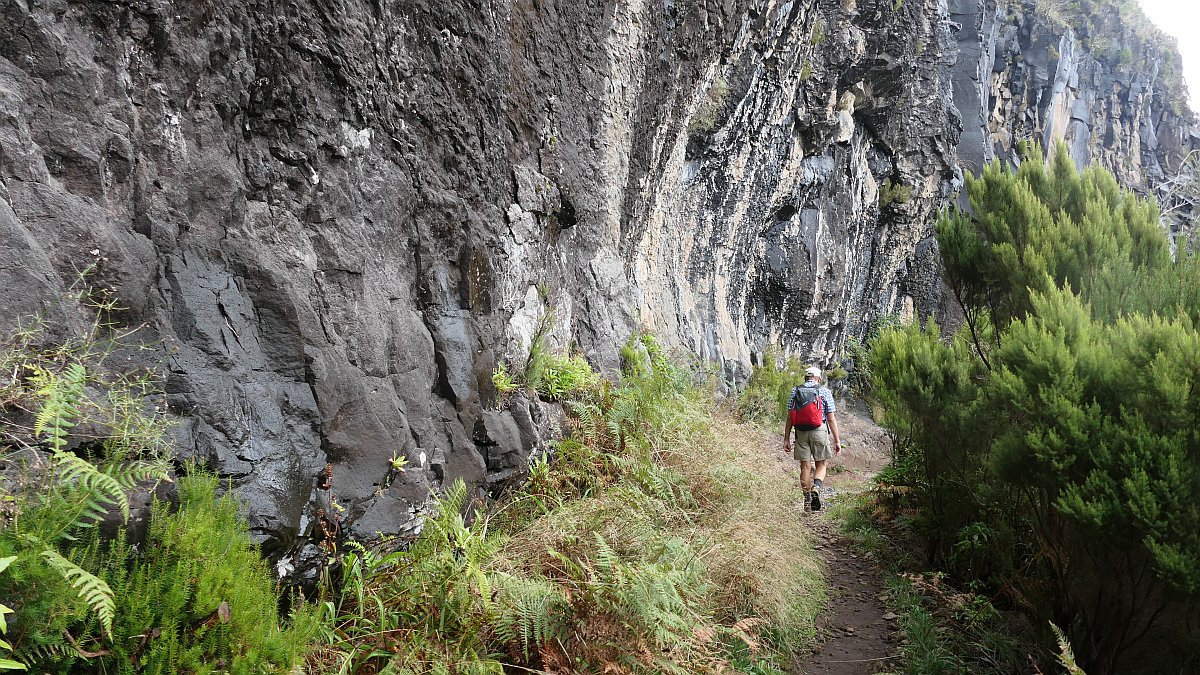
x,y
709,111
564,376
92,590
817,35
859,378
1058,427
74,495
503,380
431,603
635,357
1038,229
201,587
556,377
5,648
553,376
765,398
195,597
894,192
60,398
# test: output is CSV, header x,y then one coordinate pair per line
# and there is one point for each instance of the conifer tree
x,y
1069,433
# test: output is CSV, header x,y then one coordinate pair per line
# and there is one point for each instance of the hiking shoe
x,y
807,502
816,501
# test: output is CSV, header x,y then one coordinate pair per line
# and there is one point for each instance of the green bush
x,y
894,192
93,438
1049,446
434,603
765,398
198,596
706,117
5,648
195,597
552,376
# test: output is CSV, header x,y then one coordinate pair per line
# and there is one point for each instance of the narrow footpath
x,y
858,635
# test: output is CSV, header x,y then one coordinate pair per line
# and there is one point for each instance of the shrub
x,y
5,648
195,597
198,596
1048,445
707,114
894,192
553,376
88,438
817,35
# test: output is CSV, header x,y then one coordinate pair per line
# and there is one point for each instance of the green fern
x,y
92,590
100,490
59,412
131,474
622,416
534,610
1066,655
589,418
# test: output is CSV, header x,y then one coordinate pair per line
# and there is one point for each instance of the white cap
x,y
812,370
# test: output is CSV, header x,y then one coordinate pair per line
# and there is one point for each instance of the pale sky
x,y
1181,19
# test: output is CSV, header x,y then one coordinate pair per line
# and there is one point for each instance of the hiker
x,y
811,413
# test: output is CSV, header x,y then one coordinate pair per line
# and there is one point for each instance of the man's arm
x,y
831,419
787,432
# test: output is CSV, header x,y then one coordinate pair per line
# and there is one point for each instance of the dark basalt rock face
x,y
337,217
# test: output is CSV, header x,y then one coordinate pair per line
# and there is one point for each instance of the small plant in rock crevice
x,y
554,376
706,116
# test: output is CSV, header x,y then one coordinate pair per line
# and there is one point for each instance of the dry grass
x,y
762,582
762,556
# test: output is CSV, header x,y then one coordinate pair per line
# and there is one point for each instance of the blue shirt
x,y
826,395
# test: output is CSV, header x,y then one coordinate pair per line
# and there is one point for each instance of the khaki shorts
x,y
812,445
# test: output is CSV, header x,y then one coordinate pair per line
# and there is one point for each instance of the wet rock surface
x,y
336,218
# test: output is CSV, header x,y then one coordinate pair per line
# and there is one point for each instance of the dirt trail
x,y
857,631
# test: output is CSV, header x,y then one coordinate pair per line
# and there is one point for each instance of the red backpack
x,y
806,409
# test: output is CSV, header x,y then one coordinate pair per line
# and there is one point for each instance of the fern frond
x,y
92,589
533,610
1066,655
100,486
59,410
34,653
130,474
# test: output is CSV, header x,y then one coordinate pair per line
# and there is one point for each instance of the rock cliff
x,y
336,218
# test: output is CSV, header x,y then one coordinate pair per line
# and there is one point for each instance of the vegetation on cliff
x,y
1047,451
637,545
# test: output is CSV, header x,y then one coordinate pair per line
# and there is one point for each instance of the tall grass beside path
x,y
659,538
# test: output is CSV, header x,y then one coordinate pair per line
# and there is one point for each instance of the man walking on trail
x,y
811,413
